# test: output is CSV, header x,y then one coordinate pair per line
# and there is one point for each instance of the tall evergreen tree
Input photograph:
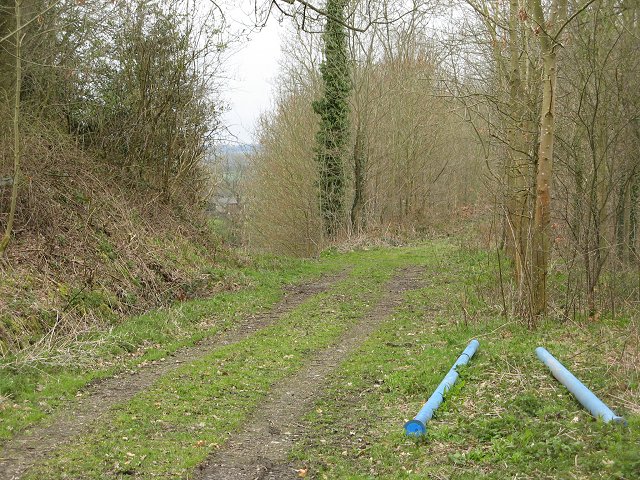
x,y
333,136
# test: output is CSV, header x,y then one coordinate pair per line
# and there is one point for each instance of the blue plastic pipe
x,y
585,396
418,426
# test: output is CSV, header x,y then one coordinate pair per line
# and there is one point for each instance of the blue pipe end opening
x,y
415,428
620,421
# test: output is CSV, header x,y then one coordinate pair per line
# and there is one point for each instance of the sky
x,y
251,68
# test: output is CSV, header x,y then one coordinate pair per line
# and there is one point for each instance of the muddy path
x,y
260,451
37,443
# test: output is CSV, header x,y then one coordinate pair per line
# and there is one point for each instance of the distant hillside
x,y
231,158
236,148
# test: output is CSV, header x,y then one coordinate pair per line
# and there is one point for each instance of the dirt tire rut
x,y
260,451
36,444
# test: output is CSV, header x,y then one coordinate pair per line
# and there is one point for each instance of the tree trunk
x,y
544,175
542,216
633,219
334,120
7,76
4,242
621,225
359,160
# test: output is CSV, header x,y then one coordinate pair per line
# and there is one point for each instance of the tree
x,y
333,135
156,104
410,151
508,71
17,157
549,29
596,163
130,83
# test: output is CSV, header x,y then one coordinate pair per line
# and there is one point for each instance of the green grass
x,y
37,388
170,428
507,415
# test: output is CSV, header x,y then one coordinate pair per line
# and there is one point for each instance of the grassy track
x,y
506,418
33,390
169,429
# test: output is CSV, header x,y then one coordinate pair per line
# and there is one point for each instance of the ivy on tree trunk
x,y
333,136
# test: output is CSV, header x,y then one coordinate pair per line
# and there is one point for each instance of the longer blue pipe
x,y
418,426
585,396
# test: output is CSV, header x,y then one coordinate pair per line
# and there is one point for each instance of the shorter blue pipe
x,y
418,426
585,396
